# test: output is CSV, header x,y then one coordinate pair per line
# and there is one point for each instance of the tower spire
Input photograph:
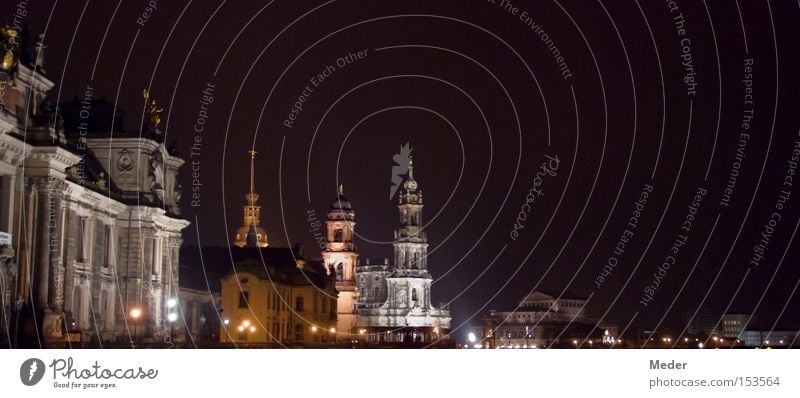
x,y
251,233
410,167
250,197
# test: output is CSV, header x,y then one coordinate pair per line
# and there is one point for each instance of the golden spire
x,y
252,176
251,233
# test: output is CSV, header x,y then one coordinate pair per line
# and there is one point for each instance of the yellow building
x,y
271,295
282,299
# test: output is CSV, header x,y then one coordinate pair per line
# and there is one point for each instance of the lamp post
x,y
171,316
135,313
203,327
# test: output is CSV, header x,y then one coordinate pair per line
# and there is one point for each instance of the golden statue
x,y
153,111
10,36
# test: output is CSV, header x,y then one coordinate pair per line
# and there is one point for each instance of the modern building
x,y
90,225
702,322
732,325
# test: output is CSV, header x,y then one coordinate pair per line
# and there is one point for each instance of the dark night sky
x,y
430,77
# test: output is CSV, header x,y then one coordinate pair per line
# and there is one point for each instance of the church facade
x,y
385,302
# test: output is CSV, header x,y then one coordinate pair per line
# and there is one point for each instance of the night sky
x,y
638,95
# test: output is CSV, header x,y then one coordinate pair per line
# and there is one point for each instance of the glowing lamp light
x,y
136,313
241,328
226,321
471,337
246,323
314,329
171,303
333,330
172,317
252,329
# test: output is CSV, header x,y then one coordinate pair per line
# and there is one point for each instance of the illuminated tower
x,y
340,256
410,243
251,234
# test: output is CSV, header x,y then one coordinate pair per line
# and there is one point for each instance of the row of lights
x,y
136,312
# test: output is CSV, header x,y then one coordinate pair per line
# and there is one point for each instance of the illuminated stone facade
x,y
90,227
392,301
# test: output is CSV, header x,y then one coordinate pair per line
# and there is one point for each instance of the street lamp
x,y
171,318
135,313
171,303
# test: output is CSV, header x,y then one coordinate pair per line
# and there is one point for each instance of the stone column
x,y
26,242
57,277
41,273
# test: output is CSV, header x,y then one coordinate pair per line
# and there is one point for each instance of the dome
x,y
341,203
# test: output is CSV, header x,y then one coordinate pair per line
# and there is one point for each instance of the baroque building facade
x,y
90,227
385,302
269,296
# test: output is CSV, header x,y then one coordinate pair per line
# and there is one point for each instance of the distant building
x,y
702,322
766,338
732,325
543,319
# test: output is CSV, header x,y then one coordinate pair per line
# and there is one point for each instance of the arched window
x,y
338,235
414,295
298,303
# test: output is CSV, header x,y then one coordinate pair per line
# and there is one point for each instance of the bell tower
x,y
410,241
340,257
251,233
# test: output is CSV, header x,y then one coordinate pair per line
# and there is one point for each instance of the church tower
x,y
251,234
407,314
411,248
340,256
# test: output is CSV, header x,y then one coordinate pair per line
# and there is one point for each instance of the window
x,y
108,239
298,332
337,235
244,298
83,241
414,295
324,305
276,332
298,303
